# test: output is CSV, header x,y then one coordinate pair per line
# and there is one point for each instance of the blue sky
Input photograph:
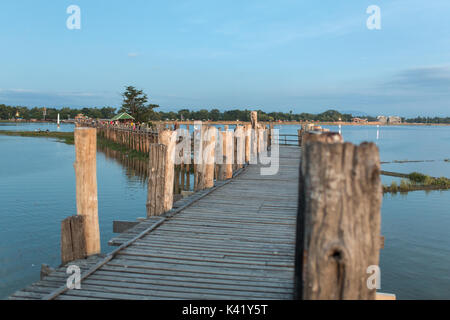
x,y
304,56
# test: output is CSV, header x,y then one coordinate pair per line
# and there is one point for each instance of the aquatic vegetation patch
x,y
417,181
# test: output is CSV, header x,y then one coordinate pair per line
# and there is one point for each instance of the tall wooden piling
x,y
226,169
248,137
86,186
156,179
254,119
206,168
240,146
338,223
168,138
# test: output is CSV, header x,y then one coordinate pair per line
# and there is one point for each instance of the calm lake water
x,y
37,191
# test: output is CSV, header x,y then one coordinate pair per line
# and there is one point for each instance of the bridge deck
x,y
234,242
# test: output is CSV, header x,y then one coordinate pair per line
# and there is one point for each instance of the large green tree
x,y
135,104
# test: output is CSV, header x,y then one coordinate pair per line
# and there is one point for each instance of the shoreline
x,y
68,138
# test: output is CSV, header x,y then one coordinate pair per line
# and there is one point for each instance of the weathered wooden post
x,y
198,146
86,186
254,119
168,138
254,136
188,165
156,179
299,133
73,242
206,168
338,223
248,137
226,168
240,146
218,157
270,135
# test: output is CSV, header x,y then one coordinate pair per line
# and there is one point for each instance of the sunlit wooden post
x,y
254,136
206,176
338,223
168,138
156,179
86,186
248,137
240,146
226,169
198,147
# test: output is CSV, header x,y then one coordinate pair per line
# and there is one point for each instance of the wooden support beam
x,y
300,134
156,179
73,243
226,168
86,186
248,137
218,157
198,146
338,223
168,138
206,168
254,119
240,146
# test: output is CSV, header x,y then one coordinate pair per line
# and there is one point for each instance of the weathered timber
x,y
157,179
73,243
168,138
86,186
206,167
338,223
123,226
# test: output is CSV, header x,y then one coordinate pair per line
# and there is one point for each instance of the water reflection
x,y
135,169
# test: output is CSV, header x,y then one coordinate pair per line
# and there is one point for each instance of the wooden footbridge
x,y
308,232
233,241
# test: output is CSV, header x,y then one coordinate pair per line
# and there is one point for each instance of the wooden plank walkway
x,y
235,241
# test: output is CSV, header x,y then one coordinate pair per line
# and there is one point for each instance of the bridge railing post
x,y
206,168
86,186
156,179
338,222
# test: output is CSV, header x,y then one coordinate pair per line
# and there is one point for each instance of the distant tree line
x,y
244,115
147,113
428,120
10,112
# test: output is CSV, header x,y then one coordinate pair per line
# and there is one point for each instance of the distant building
x,y
123,118
382,119
395,120
80,117
359,120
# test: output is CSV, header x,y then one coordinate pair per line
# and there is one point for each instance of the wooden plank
x,y
123,226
